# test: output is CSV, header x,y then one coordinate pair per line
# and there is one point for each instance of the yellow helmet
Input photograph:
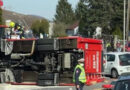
x,y
18,27
12,24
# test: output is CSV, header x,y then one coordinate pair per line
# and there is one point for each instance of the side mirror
x,y
108,86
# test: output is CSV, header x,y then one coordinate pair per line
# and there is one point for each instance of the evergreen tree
x,y
40,26
118,32
59,30
103,13
0,16
117,14
80,9
64,12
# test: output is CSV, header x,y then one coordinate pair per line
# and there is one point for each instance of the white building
x,y
73,29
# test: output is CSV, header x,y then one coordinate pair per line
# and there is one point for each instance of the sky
x,y
44,8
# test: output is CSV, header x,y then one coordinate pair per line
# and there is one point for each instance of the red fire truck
x,y
53,59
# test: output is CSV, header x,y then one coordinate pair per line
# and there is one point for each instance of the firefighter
x,y
79,77
108,46
118,46
19,30
12,25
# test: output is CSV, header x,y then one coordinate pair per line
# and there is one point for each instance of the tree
x,y
59,30
40,26
117,14
102,13
64,12
118,32
1,16
80,9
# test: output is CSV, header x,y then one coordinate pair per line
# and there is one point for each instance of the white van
x,y
116,63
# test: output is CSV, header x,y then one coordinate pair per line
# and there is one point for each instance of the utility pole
x,y
124,25
127,23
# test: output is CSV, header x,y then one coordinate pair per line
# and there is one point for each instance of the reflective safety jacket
x,y
82,76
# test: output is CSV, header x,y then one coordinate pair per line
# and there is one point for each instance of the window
x,y
125,59
110,57
123,85
28,34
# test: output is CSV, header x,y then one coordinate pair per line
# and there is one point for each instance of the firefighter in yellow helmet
x,y
10,32
79,77
20,31
12,24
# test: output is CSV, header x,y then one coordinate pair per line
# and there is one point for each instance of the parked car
x,y
116,63
127,46
123,83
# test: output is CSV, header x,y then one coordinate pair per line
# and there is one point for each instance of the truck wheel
x,y
114,73
9,76
8,47
2,77
18,75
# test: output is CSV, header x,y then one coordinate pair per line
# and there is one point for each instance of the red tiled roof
x,y
73,26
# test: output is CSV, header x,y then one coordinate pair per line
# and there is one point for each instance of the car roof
x,y
124,76
117,53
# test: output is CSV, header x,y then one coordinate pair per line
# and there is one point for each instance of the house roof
x,y
73,26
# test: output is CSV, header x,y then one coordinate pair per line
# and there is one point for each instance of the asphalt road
x,y
22,87
95,86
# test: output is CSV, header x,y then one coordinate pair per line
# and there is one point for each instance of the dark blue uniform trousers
x,y
81,85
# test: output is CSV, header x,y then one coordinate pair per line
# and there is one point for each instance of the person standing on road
x,y
79,77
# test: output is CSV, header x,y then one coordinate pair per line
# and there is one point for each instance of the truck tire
x,y
45,82
46,76
9,75
18,75
2,77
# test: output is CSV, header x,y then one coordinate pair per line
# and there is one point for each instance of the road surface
x,y
95,86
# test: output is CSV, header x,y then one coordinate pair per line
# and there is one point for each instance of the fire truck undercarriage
x,y
44,56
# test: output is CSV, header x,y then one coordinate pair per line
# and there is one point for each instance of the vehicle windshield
x,y
123,85
125,59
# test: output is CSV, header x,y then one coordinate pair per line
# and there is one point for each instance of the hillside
x,y
25,20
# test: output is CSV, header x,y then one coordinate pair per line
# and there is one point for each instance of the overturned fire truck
x,y
52,59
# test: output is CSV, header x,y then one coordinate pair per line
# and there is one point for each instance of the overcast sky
x,y
45,8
